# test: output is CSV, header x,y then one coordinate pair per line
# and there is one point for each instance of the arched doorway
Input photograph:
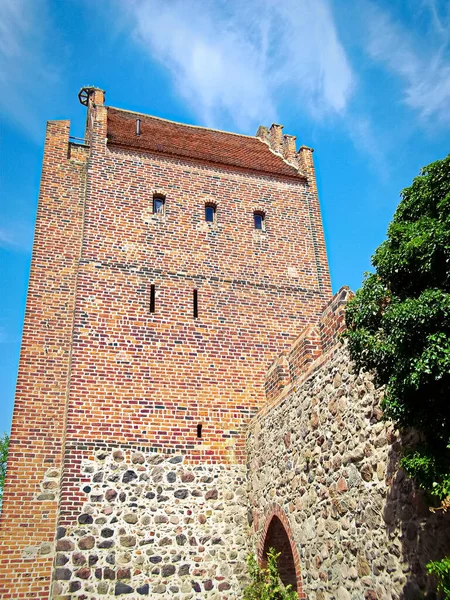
x,y
278,538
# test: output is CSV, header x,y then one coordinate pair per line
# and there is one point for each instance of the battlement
x,y
314,342
286,146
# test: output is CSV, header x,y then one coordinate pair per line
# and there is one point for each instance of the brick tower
x,y
171,266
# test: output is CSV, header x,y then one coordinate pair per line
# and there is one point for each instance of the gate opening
x,y
278,538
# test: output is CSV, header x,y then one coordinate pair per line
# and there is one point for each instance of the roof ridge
x,y
135,112
294,169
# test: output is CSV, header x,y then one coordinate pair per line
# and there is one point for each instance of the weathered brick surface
x,y
152,377
97,366
292,367
28,517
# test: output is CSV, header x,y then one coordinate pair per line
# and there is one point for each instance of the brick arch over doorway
x,y
277,534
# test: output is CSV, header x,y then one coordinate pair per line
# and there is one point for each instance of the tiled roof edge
x,y
243,135
134,112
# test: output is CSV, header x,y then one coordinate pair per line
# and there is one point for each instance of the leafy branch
x,y
265,582
398,325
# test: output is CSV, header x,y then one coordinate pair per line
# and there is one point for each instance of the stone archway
x,y
277,534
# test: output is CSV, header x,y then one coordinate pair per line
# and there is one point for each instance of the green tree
x,y
265,582
4,444
399,326
441,569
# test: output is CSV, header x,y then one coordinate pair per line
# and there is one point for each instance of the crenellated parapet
x,y
286,146
314,343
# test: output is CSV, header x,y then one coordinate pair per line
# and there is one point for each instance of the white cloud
x,y
5,238
313,58
439,15
16,236
233,61
27,74
421,61
366,139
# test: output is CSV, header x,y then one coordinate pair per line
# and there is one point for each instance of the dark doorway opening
x,y
278,538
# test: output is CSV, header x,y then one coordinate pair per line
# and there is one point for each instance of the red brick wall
x,y
28,517
139,378
332,322
304,351
150,378
308,351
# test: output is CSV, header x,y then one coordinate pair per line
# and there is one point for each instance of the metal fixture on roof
x,y
85,92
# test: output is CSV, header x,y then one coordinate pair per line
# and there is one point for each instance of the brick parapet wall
x,y
332,321
79,152
28,518
309,351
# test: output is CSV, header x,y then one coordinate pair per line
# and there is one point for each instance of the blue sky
x,y
367,84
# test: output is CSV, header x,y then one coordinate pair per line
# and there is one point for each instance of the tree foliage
x,y
4,443
399,326
399,322
265,582
441,569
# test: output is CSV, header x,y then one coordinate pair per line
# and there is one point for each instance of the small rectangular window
x,y
158,205
195,300
259,220
152,298
210,213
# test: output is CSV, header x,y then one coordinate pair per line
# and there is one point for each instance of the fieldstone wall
x,y
322,457
154,526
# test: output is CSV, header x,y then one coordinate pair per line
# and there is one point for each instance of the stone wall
x,y
153,526
322,458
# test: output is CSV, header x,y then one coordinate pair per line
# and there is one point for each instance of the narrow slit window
x,y
152,298
195,302
199,430
138,127
259,220
159,205
210,213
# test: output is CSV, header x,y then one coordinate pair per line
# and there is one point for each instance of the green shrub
x,y
441,569
398,324
265,582
430,472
